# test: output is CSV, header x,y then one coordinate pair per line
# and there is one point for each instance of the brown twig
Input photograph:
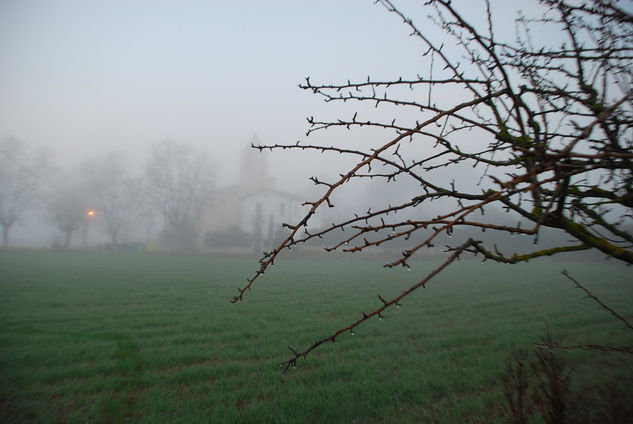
x,y
598,301
598,348
292,362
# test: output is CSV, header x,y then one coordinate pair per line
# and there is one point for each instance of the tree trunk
x,y
69,235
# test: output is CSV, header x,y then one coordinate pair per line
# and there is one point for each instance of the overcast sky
x,y
82,76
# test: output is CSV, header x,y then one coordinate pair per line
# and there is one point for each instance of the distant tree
x,y
112,189
545,122
146,216
19,184
68,206
178,181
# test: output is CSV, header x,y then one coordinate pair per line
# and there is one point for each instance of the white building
x,y
250,214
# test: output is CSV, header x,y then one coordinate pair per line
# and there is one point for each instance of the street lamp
x,y
90,213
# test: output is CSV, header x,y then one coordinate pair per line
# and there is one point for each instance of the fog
x,y
84,77
82,80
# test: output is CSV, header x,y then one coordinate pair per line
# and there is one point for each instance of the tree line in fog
x,y
105,196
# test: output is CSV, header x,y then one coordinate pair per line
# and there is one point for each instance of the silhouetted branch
x,y
598,348
292,362
598,301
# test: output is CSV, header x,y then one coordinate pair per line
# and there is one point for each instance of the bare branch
x,y
598,301
292,362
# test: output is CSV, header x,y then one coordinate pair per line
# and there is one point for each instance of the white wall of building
x,y
273,206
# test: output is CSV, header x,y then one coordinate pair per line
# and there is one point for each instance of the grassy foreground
x,y
91,337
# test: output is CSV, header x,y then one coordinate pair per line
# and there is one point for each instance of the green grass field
x,y
89,337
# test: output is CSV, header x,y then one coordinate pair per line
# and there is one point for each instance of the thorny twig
x,y
602,348
292,362
598,301
594,347
269,257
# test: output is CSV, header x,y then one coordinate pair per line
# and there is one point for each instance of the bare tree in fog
x,y
111,188
545,120
19,183
68,206
178,180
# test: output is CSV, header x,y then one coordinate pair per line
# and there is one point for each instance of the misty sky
x,y
83,77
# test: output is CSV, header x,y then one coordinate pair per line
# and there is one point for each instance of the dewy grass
x,y
93,337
